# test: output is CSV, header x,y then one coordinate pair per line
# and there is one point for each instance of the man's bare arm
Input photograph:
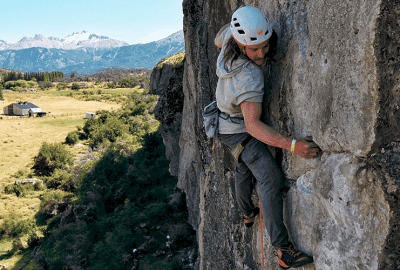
x,y
252,111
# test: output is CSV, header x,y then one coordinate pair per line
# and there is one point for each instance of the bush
x,y
51,157
46,85
1,93
54,201
111,85
75,86
13,84
60,179
72,137
17,245
33,239
10,189
110,130
16,88
20,173
61,86
13,226
37,186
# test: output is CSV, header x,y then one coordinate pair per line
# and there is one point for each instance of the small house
x,y
23,108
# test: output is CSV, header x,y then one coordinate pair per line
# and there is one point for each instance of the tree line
x,y
27,76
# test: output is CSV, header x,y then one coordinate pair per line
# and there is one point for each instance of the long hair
x,y
233,51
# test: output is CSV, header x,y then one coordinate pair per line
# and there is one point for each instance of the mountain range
x,y
72,42
85,53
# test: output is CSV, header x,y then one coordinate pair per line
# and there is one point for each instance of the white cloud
x,y
156,35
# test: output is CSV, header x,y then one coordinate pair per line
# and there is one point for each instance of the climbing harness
x,y
239,148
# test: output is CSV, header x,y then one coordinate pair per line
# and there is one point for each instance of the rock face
x,y
167,83
337,79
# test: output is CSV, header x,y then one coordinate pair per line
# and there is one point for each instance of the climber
x,y
247,43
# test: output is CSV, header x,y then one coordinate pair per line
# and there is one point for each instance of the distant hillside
x,y
89,60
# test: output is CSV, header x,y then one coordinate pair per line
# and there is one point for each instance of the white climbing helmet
x,y
250,26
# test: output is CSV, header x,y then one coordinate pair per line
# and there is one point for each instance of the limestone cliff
x,y
337,79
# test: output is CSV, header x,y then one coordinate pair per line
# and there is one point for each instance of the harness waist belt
x,y
237,120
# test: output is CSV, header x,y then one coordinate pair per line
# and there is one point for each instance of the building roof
x,y
25,105
35,110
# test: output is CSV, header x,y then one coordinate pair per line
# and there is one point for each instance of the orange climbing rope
x,y
262,242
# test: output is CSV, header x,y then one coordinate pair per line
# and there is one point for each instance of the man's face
x,y
257,52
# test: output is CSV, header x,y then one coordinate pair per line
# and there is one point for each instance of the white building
x,y
89,114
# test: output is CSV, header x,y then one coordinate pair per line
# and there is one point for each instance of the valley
x,y
105,198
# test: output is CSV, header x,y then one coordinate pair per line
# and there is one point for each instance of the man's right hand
x,y
307,148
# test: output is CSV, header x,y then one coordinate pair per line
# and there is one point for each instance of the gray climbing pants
x,y
256,160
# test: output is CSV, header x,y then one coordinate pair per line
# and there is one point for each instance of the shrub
x,y
33,239
14,226
32,83
61,86
60,179
13,84
75,86
16,88
54,201
20,173
110,130
51,157
10,189
46,85
111,85
17,245
37,186
1,93
72,137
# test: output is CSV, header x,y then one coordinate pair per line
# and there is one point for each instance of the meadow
x,y
21,138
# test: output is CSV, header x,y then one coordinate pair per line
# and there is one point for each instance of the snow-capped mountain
x,y
4,44
72,42
87,58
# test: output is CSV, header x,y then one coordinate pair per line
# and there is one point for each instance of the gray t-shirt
x,y
244,81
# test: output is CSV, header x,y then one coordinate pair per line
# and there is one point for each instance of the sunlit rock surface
x,y
337,79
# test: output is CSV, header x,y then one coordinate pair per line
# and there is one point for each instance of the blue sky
x,y
133,21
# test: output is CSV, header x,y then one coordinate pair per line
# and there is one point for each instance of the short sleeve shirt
x,y
247,85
